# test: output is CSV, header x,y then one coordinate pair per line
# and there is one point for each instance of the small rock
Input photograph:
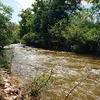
x,y
7,85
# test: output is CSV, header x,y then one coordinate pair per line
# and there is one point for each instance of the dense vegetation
x,y
8,30
6,34
62,25
54,24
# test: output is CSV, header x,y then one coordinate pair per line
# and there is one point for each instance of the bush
x,y
36,86
15,37
32,39
6,56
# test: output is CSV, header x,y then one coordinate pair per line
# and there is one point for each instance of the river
x,y
68,70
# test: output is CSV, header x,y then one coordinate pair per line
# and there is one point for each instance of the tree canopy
x,y
61,25
5,16
43,15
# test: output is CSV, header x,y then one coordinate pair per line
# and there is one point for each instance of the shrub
x,y
37,86
6,56
29,39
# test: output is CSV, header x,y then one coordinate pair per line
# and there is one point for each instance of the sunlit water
x,y
68,70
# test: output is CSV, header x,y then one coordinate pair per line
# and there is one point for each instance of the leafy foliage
x,y
5,33
82,34
14,28
43,16
62,25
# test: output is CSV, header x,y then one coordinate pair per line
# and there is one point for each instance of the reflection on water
x,y
68,69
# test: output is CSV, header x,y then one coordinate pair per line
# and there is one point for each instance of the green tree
x,y
63,25
45,14
15,30
26,22
5,34
82,34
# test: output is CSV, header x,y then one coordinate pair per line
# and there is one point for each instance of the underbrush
x,y
34,89
6,56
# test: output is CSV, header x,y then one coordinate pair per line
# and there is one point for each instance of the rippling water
x,y
68,70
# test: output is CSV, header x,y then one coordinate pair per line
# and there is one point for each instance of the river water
x,y
68,70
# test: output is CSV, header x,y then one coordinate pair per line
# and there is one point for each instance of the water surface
x,y
68,70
